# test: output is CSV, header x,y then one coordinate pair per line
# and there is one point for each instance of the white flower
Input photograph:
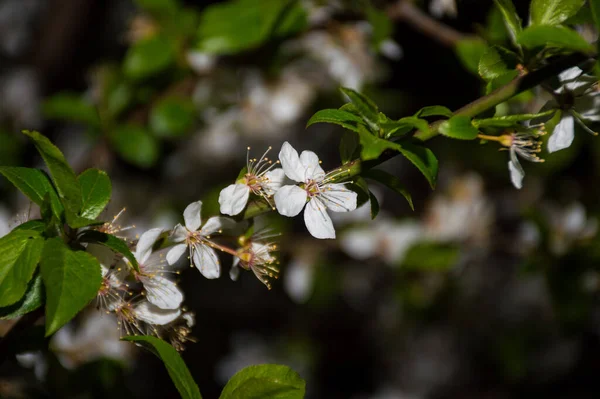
x,y
197,240
151,314
259,179
114,273
439,8
160,291
578,101
257,257
315,187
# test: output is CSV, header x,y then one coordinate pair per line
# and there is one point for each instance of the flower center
x,y
312,188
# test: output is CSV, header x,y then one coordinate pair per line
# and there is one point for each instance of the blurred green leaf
x,y
20,252
61,173
553,12
433,110
178,371
459,127
381,24
30,301
495,62
72,279
429,256
349,147
95,192
149,57
374,205
34,184
71,107
365,106
172,117
237,25
336,116
469,51
159,8
511,19
119,98
390,181
112,242
135,144
265,381
558,36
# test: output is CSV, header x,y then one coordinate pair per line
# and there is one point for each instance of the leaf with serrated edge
x,y
20,251
178,371
95,192
72,279
553,12
511,19
557,36
265,381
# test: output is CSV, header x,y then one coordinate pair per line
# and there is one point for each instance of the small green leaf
x,y
424,159
431,257
148,57
469,51
178,371
391,182
35,225
556,36
31,300
374,205
509,120
112,242
20,252
172,117
95,192
265,381
403,126
71,107
349,147
61,173
361,188
372,146
365,106
135,145
553,12
495,62
434,110
72,279
459,127
511,19
35,184
336,116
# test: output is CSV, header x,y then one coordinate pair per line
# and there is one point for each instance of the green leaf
x,y
381,24
233,26
424,159
159,8
469,51
336,116
495,62
349,147
265,381
71,107
434,110
365,106
511,19
509,120
20,252
149,57
31,300
72,279
391,182
459,127
172,117
135,145
556,36
112,242
595,8
178,371
403,126
431,257
95,192
361,188
35,225
34,184
372,146
553,12
374,205
61,173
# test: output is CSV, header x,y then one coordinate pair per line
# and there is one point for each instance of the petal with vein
x,y
516,171
217,223
563,134
233,198
290,162
338,198
143,248
207,261
317,220
162,292
175,253
312,168
290,200
149,313
191,215
275,177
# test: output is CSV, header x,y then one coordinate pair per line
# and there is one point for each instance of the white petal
x,y
338,198
149,313
570,74
175,253
317,220
312,168
217,223
275,177
207,261
234,272
290,200
290,162
143,248
516,172
563,134
233,198
179,233
191,215
162,292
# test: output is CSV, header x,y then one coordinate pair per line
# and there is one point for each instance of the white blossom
x,y
258,257
196,240
315,188
260,179
524,143
440,8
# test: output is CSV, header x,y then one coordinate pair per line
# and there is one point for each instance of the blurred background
x,y
484,291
